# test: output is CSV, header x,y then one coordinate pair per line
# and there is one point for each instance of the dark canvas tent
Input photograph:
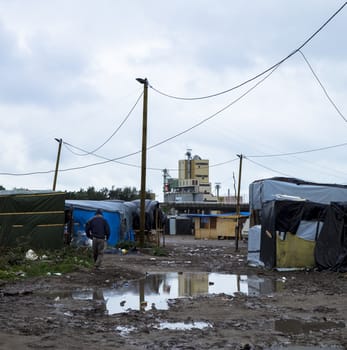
x,y
331,247
289,230
33,218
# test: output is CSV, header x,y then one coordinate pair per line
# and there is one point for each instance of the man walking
x,y
98,230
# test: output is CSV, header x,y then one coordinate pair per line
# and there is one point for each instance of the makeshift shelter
x,y
265,190
216,226
83,210
154,217
114,212
289,230
331,247
32,218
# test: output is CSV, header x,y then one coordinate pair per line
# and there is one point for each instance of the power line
x,y
28,174
107,160
323,88
298,152
258,75
69,145
109,138
216,113
223,163
269,71
267,168
116,160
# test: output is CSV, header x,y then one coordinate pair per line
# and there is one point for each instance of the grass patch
x,y
14,264
159,251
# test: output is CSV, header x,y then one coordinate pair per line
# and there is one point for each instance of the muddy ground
x,y
280,310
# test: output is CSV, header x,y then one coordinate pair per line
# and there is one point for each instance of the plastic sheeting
x,y
253,256
265,190
283,218
83,210
331,246
34,218
114,212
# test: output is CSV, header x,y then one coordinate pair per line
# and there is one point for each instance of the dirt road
x,y
202,295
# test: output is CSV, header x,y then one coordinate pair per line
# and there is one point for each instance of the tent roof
x,y
27,192
261,191
111,206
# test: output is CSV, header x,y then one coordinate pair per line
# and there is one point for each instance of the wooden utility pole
x,y
143,162
57,163
237,233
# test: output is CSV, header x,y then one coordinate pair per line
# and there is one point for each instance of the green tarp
x,y
32,218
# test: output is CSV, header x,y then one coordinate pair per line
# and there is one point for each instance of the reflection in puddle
x,y
182,326
306,347
297,326
156,290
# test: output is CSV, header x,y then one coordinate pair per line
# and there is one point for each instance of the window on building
x,y
204,222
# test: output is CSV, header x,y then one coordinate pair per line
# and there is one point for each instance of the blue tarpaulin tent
x,y
83,210
114,212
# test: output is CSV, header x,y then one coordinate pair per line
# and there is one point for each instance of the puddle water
x,y
298,327
156,290
182,326
308,347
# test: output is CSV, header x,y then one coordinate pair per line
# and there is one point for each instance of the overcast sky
x,y
68,71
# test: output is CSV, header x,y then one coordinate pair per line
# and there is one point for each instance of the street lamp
x,y
60,141
143,161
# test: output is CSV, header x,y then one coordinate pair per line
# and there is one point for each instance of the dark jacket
x,y
98,227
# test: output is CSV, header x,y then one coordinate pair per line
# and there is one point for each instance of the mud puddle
x,y
303,327
307,347
157,290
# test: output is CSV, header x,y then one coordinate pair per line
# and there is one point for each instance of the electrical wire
x,y
267,168
27,174
323,88
269,70
257,75
149,168
216,113
66,145
299,152
223,163
107,160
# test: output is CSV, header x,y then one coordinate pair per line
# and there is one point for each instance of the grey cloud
x,y
44,76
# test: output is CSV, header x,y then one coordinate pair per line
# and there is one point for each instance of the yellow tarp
x,y
294,251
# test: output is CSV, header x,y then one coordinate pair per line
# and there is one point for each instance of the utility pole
x,y
57,163
143,161
238,205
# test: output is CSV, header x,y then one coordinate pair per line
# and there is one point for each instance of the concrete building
x,y
192,185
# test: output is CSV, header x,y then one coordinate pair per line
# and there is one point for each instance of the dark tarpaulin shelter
x,y
331,246
281,218
153,214
32,218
